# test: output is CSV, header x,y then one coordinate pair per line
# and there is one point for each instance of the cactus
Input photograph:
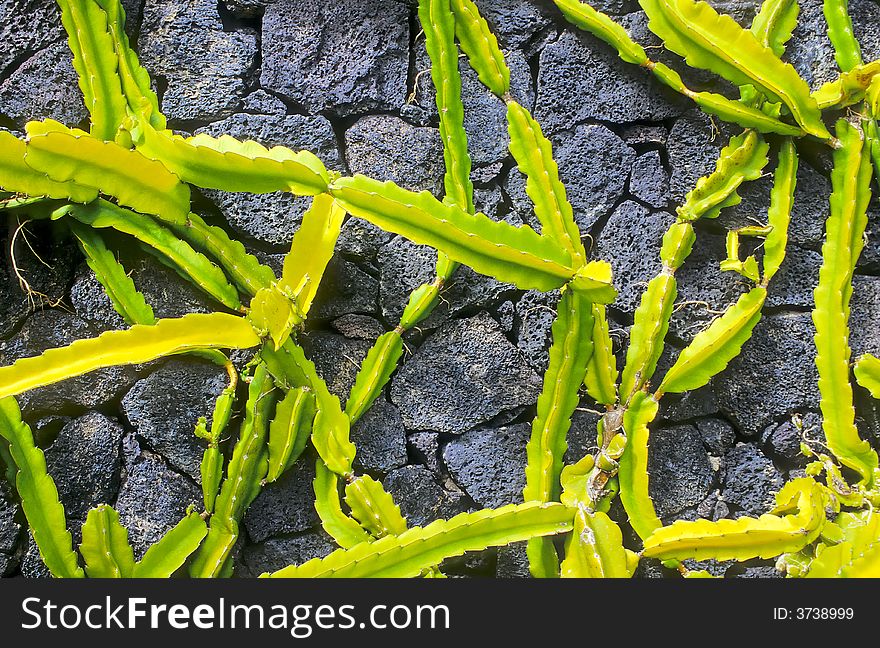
x,y
132,175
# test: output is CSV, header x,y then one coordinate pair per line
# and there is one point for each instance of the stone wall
x,y
348,80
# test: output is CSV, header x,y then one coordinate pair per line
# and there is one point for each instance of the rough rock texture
x,y
489,464
277,553
750,479
380,438
680,470
285,506
164,407
29,93
462,376
185,43
85,461
349,56
152,500
420,498
773,376
26,26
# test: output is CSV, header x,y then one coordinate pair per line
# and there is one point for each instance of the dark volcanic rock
x,y
90,301
184,42
649,181
380,438
44,87
681,474
152,500
485,115
386,147
784,440
285,506
46,266
703,288
404,266
85,461
164,407
582,78
515,22
349,56
420,498
358,327
718,435
489,464
336,358
273,218
361,239
26,26
462,376
631,241
277,553
535,313
773,376
793,285
32,565
594,165
750,479
693,151
167,292
49,329
865,308
424,447
811,52
344,289
513,562
10,530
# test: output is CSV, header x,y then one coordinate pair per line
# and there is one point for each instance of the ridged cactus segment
x,y
746,537
242,268
602,374
345,530
227,164
594,549
373,507
417,549
774,24
857,555
439,27
104,546
96,65
712,349
481,47
289,430
867,372
161,241
244,476
678,242
331,431
715,42
126,299
17,177
172,551
376,369
72,155
648,333
601,26
135,80
533,153
136,345
840,33
779,213
513,254
311,251
633,471
39,496
570,355
849,88
844,240
743,159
